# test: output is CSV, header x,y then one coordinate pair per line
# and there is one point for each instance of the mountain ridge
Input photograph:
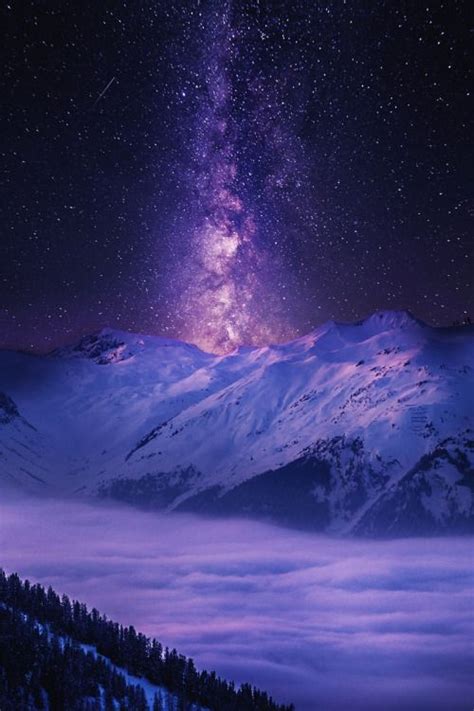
x,y
368,400
384,319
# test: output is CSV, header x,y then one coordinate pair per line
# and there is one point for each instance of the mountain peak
x,y
109,345
391,320
377,323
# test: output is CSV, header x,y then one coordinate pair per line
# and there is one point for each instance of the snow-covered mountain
x,y
364,427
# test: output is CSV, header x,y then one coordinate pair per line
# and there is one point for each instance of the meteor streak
x,y
103,92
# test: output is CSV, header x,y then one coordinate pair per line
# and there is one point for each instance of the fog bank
x,y
321,622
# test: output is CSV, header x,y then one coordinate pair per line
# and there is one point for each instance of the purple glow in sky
x,y
227,282
324,623
234,171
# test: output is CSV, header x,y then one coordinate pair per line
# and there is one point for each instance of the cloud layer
x,y
322,622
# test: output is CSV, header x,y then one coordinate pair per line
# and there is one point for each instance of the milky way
x,y
227,297
253,170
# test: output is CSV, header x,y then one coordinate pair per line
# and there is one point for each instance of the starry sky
x,y
231,172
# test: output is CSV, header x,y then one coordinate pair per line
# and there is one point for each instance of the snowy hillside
x,y
363,427
62,656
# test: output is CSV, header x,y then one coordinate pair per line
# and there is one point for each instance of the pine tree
x,y
35,660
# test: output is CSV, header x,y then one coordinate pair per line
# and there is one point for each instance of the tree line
x,y
40,653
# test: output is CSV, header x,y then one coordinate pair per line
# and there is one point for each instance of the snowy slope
x,y
168,700
344,429
24,453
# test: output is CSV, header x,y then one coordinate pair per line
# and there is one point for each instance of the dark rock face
x,y
335,487
286,496
8,409
320,491
436,496
152,491
101,349
352,428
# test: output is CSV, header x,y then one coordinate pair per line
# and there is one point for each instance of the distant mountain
x,y
363,428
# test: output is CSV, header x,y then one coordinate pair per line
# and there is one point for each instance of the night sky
x,y
231,173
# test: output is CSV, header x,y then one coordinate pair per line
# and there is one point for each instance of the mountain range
x,y
363,428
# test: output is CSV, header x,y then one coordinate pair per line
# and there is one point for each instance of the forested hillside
x,y
56,654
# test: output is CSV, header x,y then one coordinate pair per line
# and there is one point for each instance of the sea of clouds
x,y
325,623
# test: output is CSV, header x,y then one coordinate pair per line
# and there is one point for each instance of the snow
x,y
168,701
126,405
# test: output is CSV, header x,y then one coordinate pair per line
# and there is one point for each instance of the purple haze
x,y
325,623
